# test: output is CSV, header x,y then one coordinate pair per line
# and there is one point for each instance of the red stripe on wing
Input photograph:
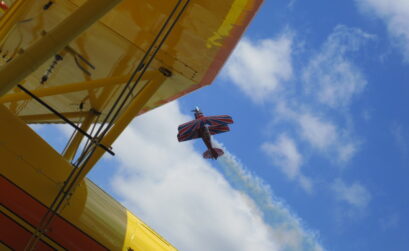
x,y
218,129
218,120
188,136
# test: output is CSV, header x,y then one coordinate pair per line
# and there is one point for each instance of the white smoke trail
x,y
287,228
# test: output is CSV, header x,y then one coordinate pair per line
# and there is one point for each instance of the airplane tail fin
x,y
213,153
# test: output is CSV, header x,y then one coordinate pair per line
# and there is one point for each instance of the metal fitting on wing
x,y
165,71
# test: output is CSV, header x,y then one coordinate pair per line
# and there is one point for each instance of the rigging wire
x,y
64,118
83,159
70,140
88,141
140,66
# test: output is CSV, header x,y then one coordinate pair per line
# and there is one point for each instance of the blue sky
x,y
318,157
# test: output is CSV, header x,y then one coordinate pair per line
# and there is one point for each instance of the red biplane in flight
x,y
203,127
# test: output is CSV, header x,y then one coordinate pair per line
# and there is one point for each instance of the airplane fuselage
x,y
207,140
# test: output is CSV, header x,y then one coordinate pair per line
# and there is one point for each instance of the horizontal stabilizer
x,y
214,153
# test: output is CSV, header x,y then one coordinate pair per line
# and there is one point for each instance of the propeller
x,y
196,109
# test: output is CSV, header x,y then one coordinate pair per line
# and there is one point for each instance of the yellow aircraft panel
x,y
29,182
194,52
87,75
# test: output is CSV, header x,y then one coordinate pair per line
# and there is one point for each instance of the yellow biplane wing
x,y
94,64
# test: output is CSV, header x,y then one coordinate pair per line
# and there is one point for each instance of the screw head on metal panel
x,y
165,71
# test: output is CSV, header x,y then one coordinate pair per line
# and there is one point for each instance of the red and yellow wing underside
x,y
94,68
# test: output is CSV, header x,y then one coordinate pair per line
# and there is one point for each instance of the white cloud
x,y
331,76
287,229
389,222
287,155
319,133
258,68
347,150
284,154
355,194
395,14
179,194
291,4
401,137
322,134
330,80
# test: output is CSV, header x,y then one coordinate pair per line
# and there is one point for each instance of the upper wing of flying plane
x,y
188,136
218,120
189,130
216,124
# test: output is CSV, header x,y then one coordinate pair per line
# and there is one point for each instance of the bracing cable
x,y
83,159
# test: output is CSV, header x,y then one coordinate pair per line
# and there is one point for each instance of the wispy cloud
x,y
285,155
291,4
389,221
179,194
326,137
330,81
259,68
395,14
320,132
355,194
288,230
330,76
401,138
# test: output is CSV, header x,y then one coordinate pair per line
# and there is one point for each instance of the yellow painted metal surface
x,y
147,93
140,237
94,68
74,144
67,88
51,42
89,208
12,16
194,52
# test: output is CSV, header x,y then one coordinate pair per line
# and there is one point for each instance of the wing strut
x,y
92,154
107,149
